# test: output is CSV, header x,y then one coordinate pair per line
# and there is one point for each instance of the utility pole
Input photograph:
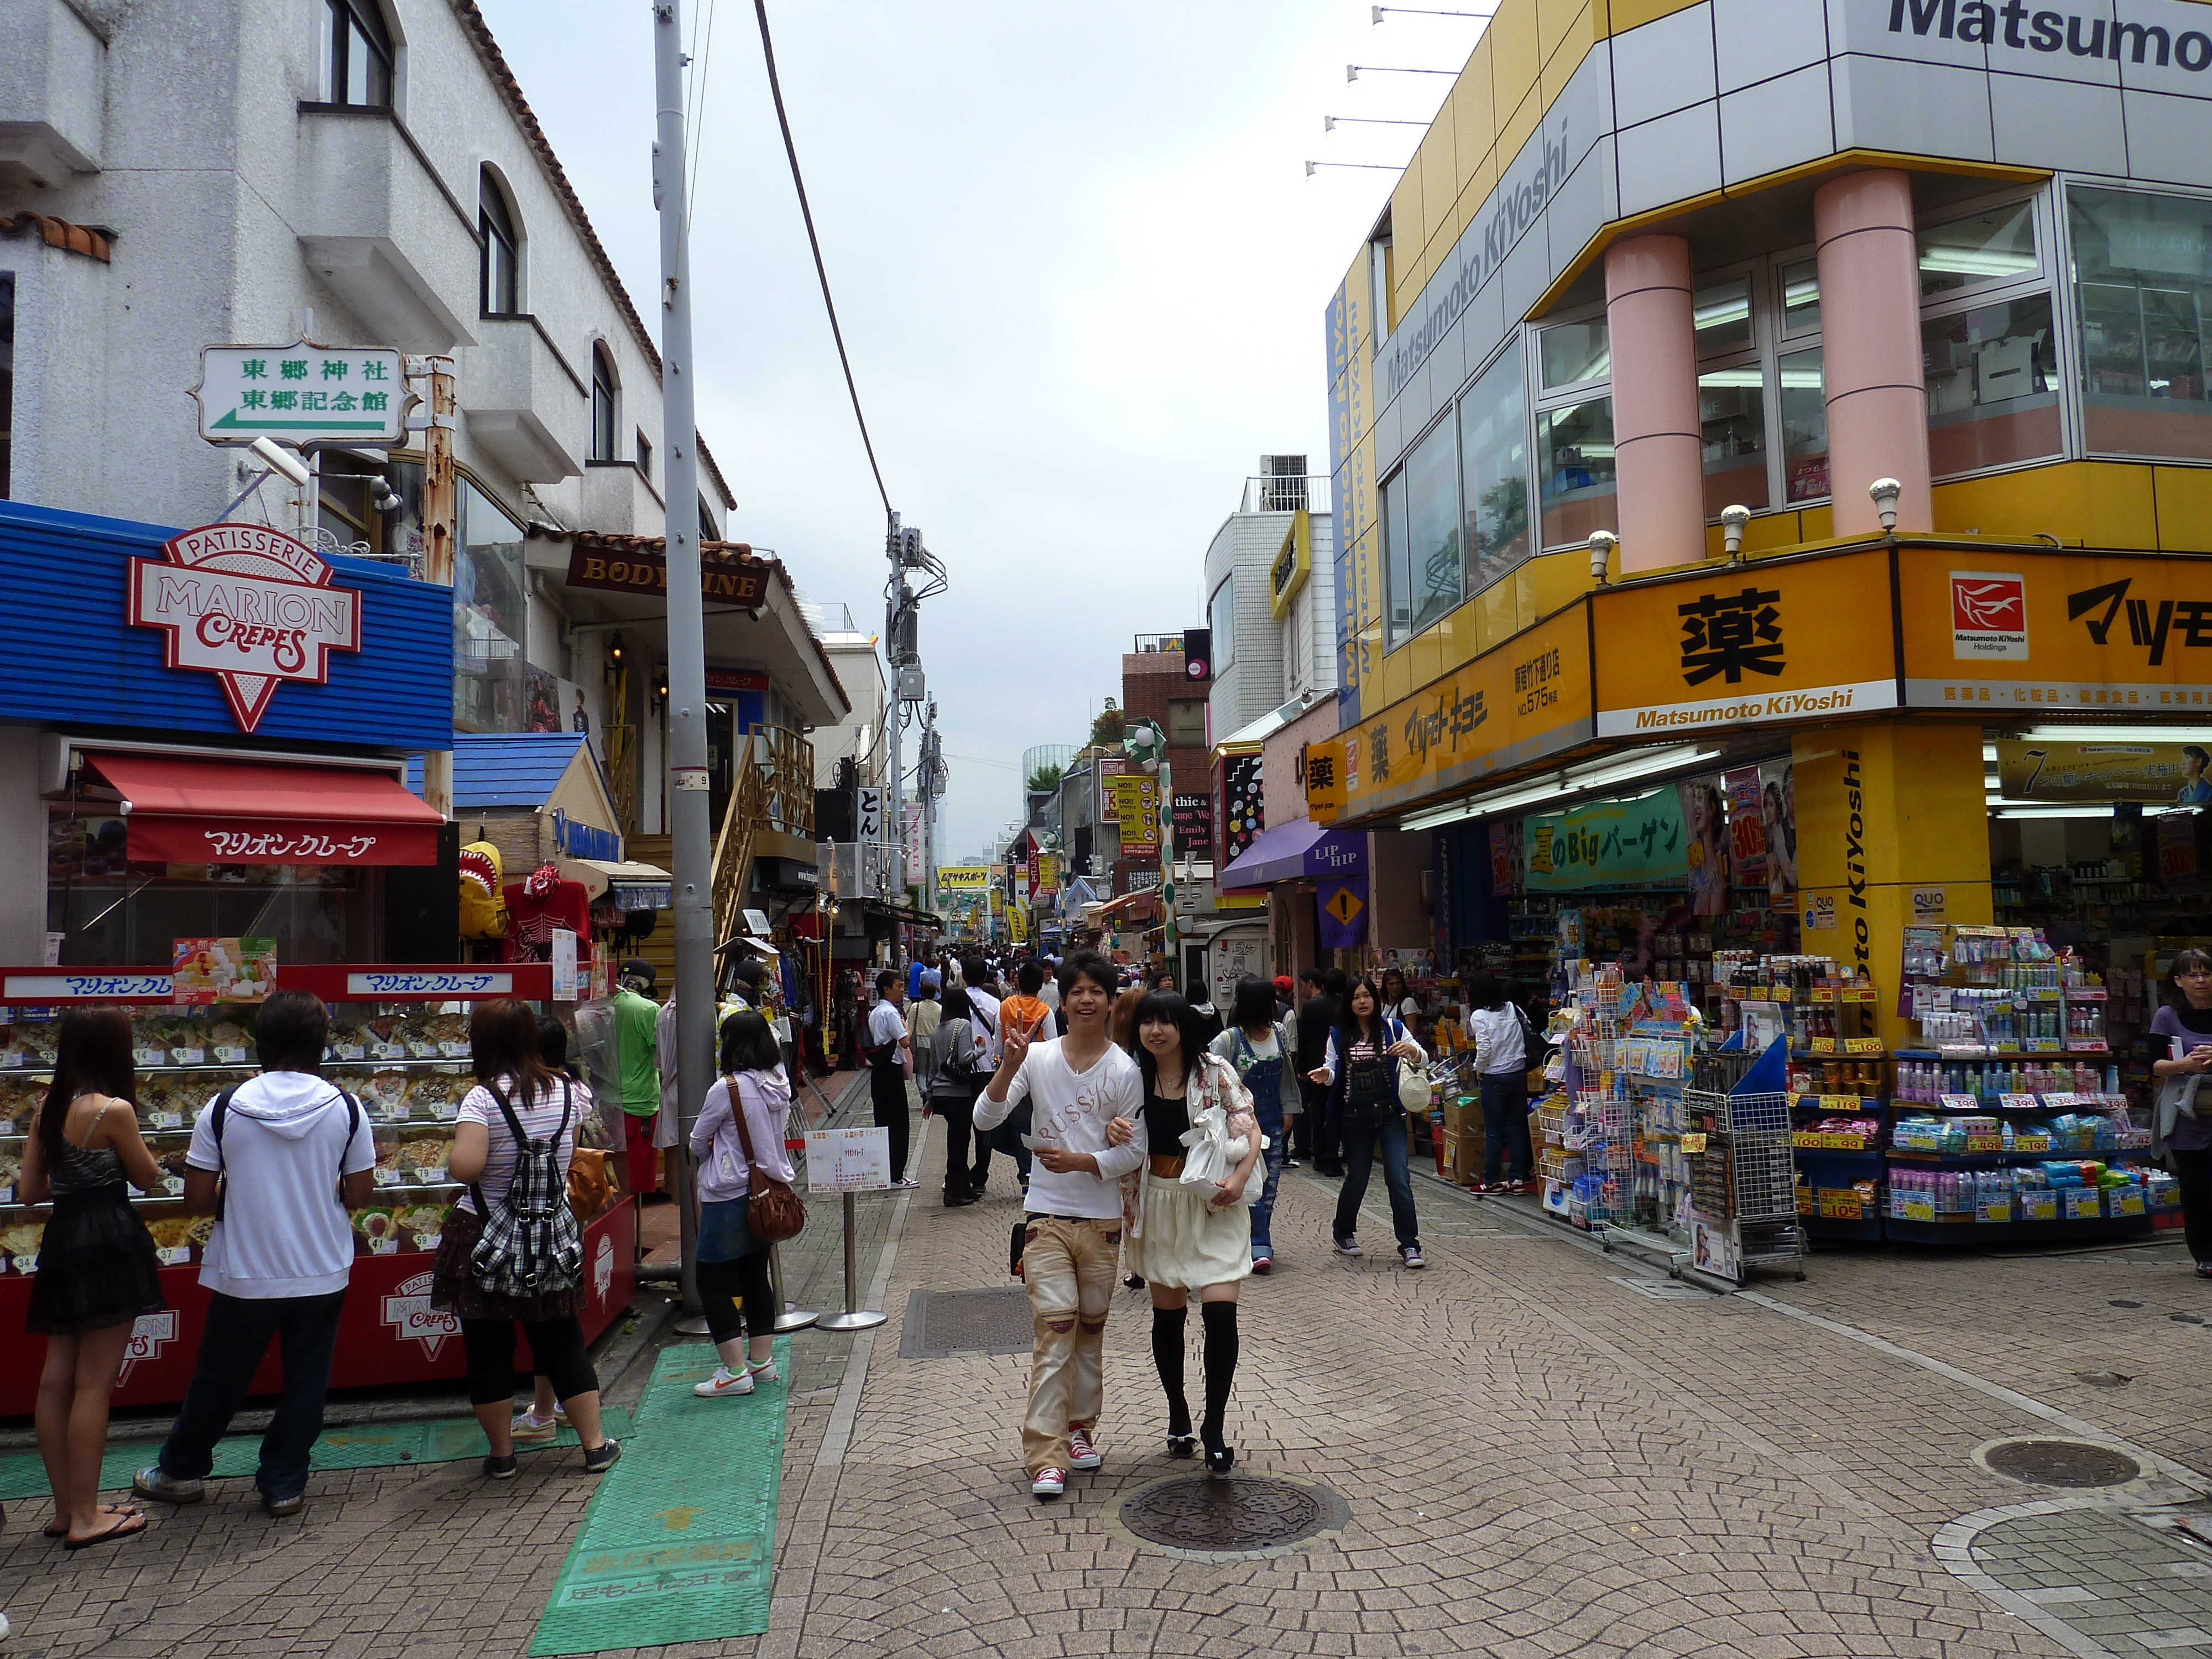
x,y
440,529
896,620
689,825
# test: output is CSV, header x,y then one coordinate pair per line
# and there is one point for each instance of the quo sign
x,y
249,605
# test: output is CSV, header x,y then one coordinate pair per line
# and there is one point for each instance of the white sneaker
x,y
722,1383
763,1372
1049,1483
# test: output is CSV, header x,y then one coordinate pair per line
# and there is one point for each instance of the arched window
x,y
502,248
603,405
357,49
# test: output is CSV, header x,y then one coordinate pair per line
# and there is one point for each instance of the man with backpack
x,y
278,1161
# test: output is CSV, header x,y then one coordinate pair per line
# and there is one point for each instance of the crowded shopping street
x,y
1289,827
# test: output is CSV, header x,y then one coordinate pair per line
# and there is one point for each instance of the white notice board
x,y
848,1160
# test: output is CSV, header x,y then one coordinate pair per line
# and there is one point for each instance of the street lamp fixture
x,y
1733,519
1602,545
1885,492
614,657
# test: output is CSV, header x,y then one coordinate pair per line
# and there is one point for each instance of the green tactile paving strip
x,y
362,1446
679,1542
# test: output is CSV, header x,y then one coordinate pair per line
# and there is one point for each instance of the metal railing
x,y
1148,642
774,790
1293,494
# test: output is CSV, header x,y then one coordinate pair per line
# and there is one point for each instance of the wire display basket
x,y
1745,1181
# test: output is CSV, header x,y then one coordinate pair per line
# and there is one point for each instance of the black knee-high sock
x,y
1167,1355
1220,1319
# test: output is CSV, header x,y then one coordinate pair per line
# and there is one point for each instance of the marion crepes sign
x,y
249,605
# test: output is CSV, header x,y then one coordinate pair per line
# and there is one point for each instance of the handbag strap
x,y
744,1131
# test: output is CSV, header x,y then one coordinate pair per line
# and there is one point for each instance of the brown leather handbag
x,y
773,1212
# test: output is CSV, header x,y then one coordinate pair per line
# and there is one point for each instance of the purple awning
x,y
1294,852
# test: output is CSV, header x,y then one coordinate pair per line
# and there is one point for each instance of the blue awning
x,y
1295,852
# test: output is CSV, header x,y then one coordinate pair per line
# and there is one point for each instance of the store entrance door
x,y
722,741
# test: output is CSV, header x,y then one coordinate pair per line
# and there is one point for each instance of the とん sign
x,y
303,394
249,605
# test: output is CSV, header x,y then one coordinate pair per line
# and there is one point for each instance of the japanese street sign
x,y
302,394
871,825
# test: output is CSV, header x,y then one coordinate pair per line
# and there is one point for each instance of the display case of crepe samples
x,y
407,1064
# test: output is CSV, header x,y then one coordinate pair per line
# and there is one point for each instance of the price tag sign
x,y
1861,1045
188,1057
386,1051
384,1247
172,1184
2012,1103
1693,1143
175,1255
166,1120
351,1050
446,1111
426,1241
24,1264
138,1057
453,1050
230,1054
387,1177
1959,1102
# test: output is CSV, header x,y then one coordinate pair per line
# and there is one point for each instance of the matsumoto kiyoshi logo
x,y
2186,622
407,1311
2024,27
1988,614
1731,635
249,605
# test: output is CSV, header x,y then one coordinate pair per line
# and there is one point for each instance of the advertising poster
x,y
541,700
1706,849
2106,771
1243,810
1135,797
1632,843
2177,845
223,969
1747,827
1777,808
1505,857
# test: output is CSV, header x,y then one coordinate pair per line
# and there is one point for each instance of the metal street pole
x,y
441,529
894,824
689,827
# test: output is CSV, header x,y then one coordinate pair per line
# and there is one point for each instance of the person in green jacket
x,y
637,1018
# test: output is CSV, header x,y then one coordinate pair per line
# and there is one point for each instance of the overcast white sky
x,y
1081,275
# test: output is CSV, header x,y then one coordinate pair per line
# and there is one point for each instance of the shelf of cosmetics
x,y
2054,1190
1979,989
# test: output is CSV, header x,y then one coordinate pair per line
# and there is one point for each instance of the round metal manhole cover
x,y
1239,1518
2063,1463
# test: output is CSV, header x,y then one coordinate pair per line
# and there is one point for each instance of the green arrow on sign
x,y
230,423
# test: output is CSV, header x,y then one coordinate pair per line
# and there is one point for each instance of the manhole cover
x,y
1243,1516
939,1323
2063,1463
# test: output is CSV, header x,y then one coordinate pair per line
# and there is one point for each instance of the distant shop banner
x,y
1244,807
2174,772
964,878
1636,843
1136,801
1192,812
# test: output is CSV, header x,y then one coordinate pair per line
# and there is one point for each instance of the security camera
x,y
283,461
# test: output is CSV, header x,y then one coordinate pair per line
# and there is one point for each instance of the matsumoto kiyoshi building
x,y
1658,260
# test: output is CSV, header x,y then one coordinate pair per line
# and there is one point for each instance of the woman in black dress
x,y
96,1270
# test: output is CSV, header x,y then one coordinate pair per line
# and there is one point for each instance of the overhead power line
x,y
798,184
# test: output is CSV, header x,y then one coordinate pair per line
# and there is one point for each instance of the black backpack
x,y
221,1109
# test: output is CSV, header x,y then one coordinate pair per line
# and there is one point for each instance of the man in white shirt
x,y
890,1063
1076,1085
983,1023
292,1154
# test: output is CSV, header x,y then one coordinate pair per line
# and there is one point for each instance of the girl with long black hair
x,y
1183,1234
1360,1072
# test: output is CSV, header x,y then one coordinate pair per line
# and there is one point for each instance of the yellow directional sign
x,y
679,1519
1344,905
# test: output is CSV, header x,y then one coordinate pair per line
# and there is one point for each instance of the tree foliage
x,y
1045,779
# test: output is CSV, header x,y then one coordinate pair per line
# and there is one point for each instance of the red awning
x,y
206,811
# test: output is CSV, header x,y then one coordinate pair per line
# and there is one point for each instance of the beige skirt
x,y
1188,1242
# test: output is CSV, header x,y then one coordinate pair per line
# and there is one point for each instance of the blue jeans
x,y
1505,1124
239,1329
1359,1145
1263,1213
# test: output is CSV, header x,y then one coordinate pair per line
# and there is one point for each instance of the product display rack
x,y
399,1045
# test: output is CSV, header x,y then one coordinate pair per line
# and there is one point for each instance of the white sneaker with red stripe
x,y
722,1383
1081,1453
1049,1483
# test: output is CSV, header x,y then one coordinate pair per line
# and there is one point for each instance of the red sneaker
x,y
1081,1454
1049,1483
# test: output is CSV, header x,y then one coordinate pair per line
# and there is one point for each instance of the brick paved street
x,y
1539,1456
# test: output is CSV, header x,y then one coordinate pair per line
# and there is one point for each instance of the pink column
x,y
1658,440
1877,390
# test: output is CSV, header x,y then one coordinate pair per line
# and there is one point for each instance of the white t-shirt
x,y
1071,1109
539,1120
284,1230
1498,1044
983,1019
1048,994
885,1023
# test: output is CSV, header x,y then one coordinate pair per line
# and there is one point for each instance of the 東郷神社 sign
x,y
302,394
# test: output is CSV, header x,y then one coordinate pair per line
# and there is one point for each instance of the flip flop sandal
x,y
104,1508
122,1528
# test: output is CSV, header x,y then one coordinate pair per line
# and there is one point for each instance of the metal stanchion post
x,y
788,1318
687,1200
855,1317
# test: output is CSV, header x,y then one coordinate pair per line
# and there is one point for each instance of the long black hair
x,y
91,1056
1348,1029
956,1006
1254,1008
1168,1007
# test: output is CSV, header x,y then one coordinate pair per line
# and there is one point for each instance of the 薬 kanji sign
x,y
302,394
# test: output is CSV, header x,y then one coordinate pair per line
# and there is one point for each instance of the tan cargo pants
x,y
1068,1266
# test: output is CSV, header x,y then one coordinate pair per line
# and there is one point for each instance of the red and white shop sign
x,y
1988,614
249,605
408,1312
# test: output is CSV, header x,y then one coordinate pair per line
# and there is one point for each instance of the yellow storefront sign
x,y
963,877
1135,799
1746,645
1518,703
2073,632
